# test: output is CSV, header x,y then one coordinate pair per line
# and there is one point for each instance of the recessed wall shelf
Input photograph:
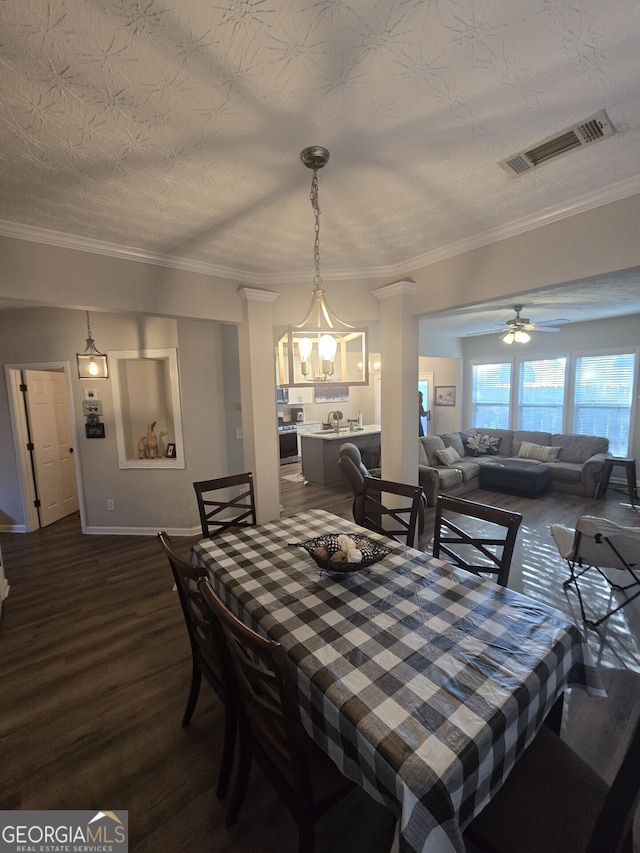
x,y
146,402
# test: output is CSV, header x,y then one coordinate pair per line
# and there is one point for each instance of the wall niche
x,y
148,415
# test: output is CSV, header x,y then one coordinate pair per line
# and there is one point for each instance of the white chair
x,y
599,544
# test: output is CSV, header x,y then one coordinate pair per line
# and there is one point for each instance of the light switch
x,y
91,407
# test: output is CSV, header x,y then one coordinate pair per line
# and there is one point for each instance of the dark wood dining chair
x,y
270,729
477,537
554,801
393,509
220,508
207,642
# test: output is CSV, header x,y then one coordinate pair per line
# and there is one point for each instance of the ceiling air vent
x,y
583,133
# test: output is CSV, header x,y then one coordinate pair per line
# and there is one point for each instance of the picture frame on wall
x,y
445,395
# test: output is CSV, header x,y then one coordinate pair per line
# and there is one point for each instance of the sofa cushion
x,y
532,436
448,456
482,444
578,448
449,477
566,472
539,452
506,439
453,439
431,444
469,468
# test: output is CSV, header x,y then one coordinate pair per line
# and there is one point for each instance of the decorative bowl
x,y
329,554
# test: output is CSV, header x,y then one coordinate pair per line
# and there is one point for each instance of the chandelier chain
x,y
316,212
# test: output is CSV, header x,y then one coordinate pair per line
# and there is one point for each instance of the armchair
x,y
354,471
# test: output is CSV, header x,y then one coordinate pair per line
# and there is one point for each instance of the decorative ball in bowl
x,y
341,552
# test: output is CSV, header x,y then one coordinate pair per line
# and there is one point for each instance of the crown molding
x,y
590,201
251,294
128,253
398,288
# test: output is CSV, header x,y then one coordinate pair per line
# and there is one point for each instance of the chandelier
x,y
92,364
322,349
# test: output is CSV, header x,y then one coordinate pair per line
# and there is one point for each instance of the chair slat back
x,y
220,509
204,644
392,508
266,693
480,548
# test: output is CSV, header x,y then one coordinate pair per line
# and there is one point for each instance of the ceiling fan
x,y
517,329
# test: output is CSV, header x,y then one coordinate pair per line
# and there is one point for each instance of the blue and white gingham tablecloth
x,y
423,682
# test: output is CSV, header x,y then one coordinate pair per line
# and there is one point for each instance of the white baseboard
x,y
142,531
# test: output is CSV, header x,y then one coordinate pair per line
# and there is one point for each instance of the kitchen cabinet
x,y
300,395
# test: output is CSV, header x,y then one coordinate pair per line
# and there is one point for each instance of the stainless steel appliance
x,y
282,395
288,439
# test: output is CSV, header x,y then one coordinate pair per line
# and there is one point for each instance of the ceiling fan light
x,y
509,338
522,337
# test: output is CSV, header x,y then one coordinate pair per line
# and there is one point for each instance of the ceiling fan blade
x,y
485,332
546,329
559,322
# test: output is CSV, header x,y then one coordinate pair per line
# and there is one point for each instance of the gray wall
x,y
145,500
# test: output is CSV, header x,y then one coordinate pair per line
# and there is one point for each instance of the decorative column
x,y
399,382
258,400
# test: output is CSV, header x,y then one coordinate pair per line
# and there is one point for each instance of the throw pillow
x,y
448,456
481,445
539,452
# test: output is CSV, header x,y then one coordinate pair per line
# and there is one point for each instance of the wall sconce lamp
x,y
92,364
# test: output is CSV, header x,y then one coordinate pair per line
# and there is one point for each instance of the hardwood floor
x,y
96,668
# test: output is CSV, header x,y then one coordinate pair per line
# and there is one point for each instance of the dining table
x,y
423,682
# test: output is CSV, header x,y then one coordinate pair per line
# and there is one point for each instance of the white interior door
x,y
48,409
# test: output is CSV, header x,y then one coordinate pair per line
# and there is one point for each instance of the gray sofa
x,y
577,467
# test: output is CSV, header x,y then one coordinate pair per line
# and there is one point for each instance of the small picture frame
x,y
171,451
445,395
94,430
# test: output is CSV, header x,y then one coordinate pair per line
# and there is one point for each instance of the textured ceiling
x,y
596,298
174,127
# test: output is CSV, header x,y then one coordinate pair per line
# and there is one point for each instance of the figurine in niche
x,y
152,442
162,450
149,446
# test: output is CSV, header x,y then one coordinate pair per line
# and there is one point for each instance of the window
x,y
541,395
586,395
603,397
490,395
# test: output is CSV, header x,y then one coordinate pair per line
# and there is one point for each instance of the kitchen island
x,y
320,452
